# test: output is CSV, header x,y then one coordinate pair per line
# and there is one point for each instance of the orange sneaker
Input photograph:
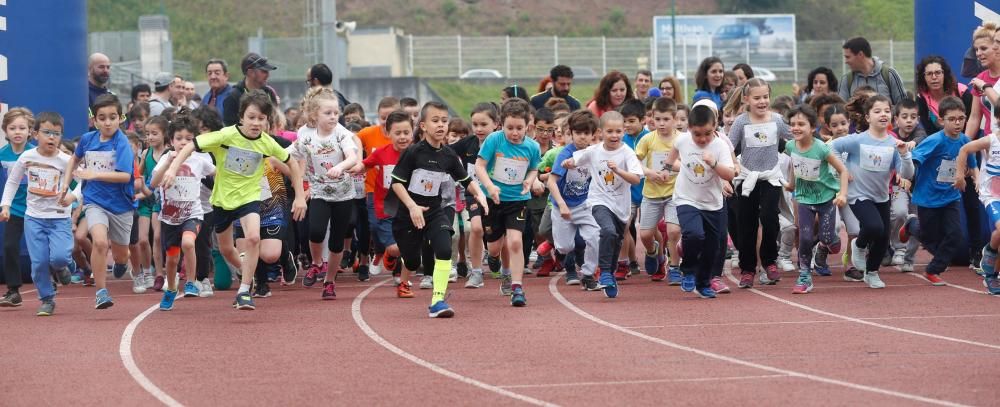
x,y
403,290
935,279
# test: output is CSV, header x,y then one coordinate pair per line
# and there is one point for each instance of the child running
x,y
989,195
657,194
17,125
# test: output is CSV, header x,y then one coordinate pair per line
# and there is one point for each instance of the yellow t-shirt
x,y
653,151
239,162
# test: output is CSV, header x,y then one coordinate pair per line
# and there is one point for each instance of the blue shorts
x,y
383,232
993,211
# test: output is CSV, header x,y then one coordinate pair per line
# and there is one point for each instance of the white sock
x,y
244,288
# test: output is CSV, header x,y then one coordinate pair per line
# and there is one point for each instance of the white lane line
x,y
963,288
862,321
566,303
125,352
360,321
651,381
818,321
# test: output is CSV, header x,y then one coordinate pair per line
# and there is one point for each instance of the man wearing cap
x,y
160,100
256,69
321,75
98,75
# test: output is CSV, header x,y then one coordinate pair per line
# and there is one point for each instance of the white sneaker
x,y
785,265
735,261
375,269
426,282
138,281
148,279
396,280
906,267
873,280
897,259
859,256
475,279
453,277
206,288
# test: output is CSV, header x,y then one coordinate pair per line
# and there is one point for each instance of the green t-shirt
x,y
548,160
240,164
814,181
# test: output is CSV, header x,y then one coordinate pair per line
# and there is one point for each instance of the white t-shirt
x,y
182,201
698,184
320,154
44,176
606,187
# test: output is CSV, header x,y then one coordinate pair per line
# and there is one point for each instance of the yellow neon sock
x,y
442,268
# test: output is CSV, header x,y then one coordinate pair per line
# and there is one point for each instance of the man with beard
x,y
98,75
256,70
562,80
218,82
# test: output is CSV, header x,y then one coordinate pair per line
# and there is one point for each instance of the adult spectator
x,y
562,81
613,90
179,94
321,75
670,88
643,81
194,99
935,81
256,70
98,75
743,73
984,40
218,85
161,98
544,84
819,82
141,93
709,81
867,70
514,91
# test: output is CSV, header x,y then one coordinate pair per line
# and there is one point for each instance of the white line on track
x,y
818,321
650,381
963,288
125,352
913,397
360,321
862,321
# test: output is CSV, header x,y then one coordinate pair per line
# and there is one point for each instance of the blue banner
x,y
945,27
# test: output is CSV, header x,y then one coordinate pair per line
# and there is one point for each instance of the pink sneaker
x,y
311,276
719,286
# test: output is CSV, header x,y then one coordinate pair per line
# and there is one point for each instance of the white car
x,y
764,74
481,74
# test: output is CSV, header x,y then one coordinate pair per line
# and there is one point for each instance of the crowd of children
x,y
734,175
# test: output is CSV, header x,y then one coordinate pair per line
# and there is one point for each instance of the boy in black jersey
x,y
416,181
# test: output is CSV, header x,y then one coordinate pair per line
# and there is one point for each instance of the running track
x,y
843,344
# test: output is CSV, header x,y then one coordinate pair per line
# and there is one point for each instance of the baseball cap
x,y
162,80
253,60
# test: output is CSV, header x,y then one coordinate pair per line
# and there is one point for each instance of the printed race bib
x,y
359,185
577,182
760,135
387,175
100,161
185,189
43,181
426,183
606,178
876,158
323,162
471,170
242,162
659,161
806,168
509,171
946,172
265,189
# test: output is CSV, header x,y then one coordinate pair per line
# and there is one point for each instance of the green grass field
x,y
462,96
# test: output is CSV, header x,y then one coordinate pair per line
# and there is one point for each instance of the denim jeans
x,y
50,244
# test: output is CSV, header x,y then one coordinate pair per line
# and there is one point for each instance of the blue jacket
x,y
219,99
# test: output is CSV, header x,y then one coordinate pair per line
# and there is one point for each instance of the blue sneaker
x,y
191,290
989,259
167,303
823,271
992,285
611,290
688,284
440,309
674,276
607,279
517,297
706,292
104,299
244,302
652,263
119,270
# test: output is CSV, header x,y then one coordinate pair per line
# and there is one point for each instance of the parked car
x,y
734,38
481,74
763,73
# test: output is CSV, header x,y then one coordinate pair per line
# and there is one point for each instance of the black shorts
x,y
503,217
171,235
266,232
473,207
224,218
411,240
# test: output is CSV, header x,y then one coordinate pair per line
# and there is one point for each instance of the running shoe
x,y
475,279
426,282
440,309
103,299
376,267
544,249
289,270
64,275
873,280
158,283
660,274
403,290
897,259
11,299
633,267
589,283
363,273
262,290
547,266
988,261
935,279
572,278
190,290
687,285
904,231
785,265
706,292
610,287
505,283
206,288
88,278
329,291
652,262
833,248
907,267
119,270
746,280
311,276
992,285
859,256
167,303
719,286
138,282
453,275
854,275
674,276
244,302
621,272
517,297
772,274
494,264
804,284
47,308
463,269
823,271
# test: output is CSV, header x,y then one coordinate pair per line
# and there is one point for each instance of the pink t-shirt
x,y
984,105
